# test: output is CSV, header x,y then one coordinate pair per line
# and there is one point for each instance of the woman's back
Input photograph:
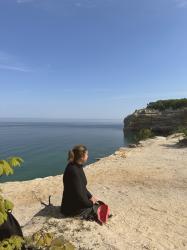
x,y
75,195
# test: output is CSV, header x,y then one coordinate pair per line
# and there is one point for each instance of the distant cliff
x,y
163,120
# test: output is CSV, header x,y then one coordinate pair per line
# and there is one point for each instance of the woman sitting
x,y
77,200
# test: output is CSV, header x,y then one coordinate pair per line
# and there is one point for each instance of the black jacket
x,y
75,195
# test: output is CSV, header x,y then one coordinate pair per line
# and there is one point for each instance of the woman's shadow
x,y
50,210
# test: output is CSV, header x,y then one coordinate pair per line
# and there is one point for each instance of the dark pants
x,y
89,213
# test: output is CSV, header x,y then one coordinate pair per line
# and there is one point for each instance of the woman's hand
x,y
93,199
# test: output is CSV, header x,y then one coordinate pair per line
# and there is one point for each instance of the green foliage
x,y
181,130
166,104
6,167
5,206
13,243
61,244
45,240
42,239
143,134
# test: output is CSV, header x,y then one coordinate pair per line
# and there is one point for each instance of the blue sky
x,y
90,58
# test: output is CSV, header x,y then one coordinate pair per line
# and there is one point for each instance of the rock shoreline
x,y
145,187
160,122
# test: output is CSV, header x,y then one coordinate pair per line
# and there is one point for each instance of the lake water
x,y
44,145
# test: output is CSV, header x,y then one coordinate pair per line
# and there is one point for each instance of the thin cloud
x,y
14,68
24,1
181,3
9,62
51,5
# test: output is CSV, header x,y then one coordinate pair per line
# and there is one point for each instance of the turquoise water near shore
x,y
44,145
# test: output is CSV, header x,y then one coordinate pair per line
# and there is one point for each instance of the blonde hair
x,y
76,153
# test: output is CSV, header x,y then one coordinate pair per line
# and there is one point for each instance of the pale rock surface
x,y
145,187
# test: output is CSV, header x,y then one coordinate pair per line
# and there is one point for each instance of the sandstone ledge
x,y
145,187
160,122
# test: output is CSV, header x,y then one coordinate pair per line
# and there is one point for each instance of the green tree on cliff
x,y
162,105
6,167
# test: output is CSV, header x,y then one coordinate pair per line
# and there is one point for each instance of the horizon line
x,y
66,118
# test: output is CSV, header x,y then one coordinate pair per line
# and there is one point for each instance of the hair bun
x,y
77,153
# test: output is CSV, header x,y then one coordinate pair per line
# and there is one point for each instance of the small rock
x,y
132,146
183,142
97,159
